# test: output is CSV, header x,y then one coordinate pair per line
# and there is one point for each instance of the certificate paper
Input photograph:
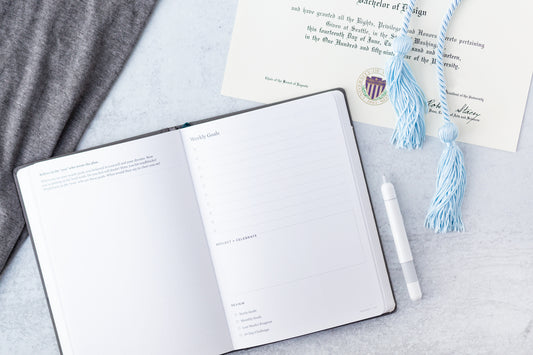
x,y
282,49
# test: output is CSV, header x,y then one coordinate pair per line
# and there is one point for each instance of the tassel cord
x,y
407,17
440,62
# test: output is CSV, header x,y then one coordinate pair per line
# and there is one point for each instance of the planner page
x,y
122,250
284,220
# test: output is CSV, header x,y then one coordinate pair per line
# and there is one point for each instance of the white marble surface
x,y
478,285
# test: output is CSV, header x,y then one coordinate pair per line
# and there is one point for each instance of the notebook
x,y
224,234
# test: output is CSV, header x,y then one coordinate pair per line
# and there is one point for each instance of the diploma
x,y
282,49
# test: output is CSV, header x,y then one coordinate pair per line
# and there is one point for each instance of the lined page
x,y
283,220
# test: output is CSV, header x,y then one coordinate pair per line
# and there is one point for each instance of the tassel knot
x,y
401,45
448,132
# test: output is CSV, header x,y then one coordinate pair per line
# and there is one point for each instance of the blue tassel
x,y
444,214
407,98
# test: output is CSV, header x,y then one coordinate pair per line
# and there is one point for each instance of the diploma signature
x,y
465,112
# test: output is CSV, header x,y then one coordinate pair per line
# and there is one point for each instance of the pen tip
x,y
415,293
384,178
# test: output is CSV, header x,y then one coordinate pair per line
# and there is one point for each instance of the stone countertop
x,y
477,285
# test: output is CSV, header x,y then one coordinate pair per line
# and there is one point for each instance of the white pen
x,y
400,240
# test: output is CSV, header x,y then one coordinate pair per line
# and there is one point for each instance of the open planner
x,y
225,234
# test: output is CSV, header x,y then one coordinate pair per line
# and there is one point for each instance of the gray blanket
x,y
58,60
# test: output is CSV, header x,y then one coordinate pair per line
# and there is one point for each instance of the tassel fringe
x,y
444,214
407,98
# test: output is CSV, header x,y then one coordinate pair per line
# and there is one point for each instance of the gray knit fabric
x,y
58,60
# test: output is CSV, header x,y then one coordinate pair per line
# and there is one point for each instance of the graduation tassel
x,y
444,214
404,92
